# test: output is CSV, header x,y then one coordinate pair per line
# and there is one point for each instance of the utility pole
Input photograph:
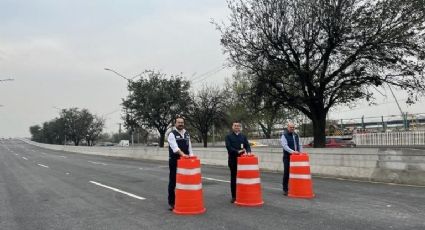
x,y
213,132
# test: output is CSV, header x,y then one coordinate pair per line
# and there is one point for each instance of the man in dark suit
x,y
236,145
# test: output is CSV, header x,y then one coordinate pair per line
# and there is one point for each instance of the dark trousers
x,y
233,166
286,163
172,182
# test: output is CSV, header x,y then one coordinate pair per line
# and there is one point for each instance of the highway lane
x,y
46,189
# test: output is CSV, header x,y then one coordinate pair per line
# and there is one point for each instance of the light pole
x,y
129,80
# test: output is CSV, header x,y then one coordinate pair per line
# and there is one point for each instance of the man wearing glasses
x,y
291,145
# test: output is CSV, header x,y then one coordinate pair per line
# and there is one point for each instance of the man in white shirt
x,y
291,145
179,146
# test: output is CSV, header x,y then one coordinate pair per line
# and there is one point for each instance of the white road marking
x,y
213,179
67,173
63,156
45,166
118,190
25,158
16,154
97,163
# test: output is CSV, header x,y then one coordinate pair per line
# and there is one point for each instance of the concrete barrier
x,y
403,166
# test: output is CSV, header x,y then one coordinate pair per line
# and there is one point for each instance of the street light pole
x,y
129,80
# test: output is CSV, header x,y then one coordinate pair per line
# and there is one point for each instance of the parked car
x,y
124,143
336,142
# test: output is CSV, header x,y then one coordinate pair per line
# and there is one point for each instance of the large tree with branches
x,y
207,109
312,55
155,100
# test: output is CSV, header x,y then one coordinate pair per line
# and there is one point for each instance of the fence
x,y
276,142
390,139
415,138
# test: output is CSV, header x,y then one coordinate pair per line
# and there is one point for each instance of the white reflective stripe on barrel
x,y
189,186
299,163
247,181
248,167
300,176
188,171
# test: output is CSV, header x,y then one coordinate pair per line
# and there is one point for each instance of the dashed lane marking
x,y
213,179
97,163
44,166
118,190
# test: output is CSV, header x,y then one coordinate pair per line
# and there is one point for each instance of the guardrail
x,y
416,138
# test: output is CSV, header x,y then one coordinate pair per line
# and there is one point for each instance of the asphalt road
x,y
45,189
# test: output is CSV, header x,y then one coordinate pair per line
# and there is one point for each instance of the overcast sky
x,y
57,50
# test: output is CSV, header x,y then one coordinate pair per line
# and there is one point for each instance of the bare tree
x,y
207,109
311,55
262,110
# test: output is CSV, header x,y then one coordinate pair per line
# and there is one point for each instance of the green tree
x,y
155,99
77,123
312,55
36,133
94,130
53,131
207,108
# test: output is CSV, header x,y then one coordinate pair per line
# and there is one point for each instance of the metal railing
x,y
416,138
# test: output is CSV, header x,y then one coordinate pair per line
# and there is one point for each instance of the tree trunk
x,y
266,130
319,129
161,139
205,139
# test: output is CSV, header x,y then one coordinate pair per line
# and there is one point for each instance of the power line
x,y
209,75
365,107
206,73
107,114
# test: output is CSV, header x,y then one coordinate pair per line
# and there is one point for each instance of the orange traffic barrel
x,y
300,182
248,183
189,197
